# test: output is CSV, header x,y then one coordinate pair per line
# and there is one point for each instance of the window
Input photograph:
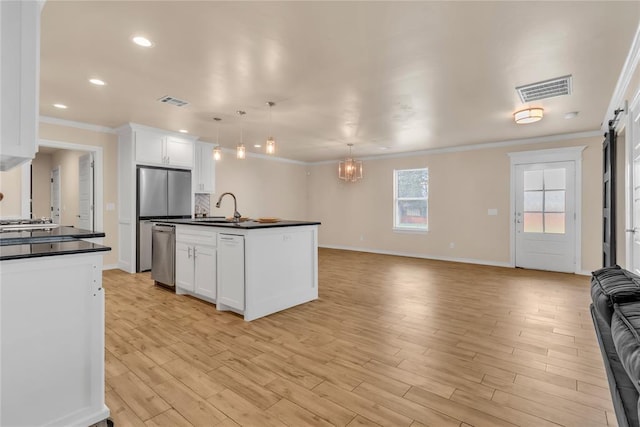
x,y
411,199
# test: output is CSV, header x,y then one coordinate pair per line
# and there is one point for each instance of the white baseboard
x,y
423,256
110,267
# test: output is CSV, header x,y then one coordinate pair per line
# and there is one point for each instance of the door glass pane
x,y
532,180
532,222
555,179
554,223
554,201
533,201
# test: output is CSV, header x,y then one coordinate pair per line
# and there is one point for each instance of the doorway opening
x,y
78,190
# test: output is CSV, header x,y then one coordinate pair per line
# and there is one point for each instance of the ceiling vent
x,y
546,89
173,101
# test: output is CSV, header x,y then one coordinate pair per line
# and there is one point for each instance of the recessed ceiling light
x,y
257,145
142,41
97,82
183,131
571,115
60,106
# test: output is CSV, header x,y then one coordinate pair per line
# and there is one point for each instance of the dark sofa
x,y
616,316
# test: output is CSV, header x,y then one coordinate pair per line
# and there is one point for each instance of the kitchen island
x,y
52,327
251,268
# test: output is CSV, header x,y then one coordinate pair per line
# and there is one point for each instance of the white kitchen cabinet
x,y
231,272
155,148
19,81
184,266
52,355
204,168
205,271
196,262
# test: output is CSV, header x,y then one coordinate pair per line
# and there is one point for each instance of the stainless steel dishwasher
x,y
163,255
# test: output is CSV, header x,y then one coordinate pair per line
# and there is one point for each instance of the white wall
x,y
462,187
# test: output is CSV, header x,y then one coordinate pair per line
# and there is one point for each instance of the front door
x,y
55,195
545,216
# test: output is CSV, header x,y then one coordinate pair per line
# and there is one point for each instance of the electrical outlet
x,y
452,245
362,237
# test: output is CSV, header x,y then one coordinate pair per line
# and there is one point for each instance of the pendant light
x,y
217,154
240,150
350,170
271,142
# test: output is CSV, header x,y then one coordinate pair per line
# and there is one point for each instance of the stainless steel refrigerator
x,y
161,194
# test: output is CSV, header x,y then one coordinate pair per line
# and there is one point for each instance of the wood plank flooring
x,y
391,341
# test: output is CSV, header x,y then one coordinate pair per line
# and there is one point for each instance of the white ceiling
x,y
398,75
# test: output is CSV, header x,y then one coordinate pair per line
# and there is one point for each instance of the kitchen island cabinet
x,y
260,268
196,262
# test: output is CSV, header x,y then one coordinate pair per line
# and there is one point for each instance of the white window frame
x,y
396,199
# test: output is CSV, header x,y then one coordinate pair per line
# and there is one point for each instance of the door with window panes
x,y
545,216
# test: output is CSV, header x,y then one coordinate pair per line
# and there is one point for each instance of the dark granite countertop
x,y
58,234
245,225
35,250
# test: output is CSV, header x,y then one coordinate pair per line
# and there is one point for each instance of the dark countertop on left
x,y
37,243
58,234
35,250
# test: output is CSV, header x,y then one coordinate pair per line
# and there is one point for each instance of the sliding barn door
x,y
609,200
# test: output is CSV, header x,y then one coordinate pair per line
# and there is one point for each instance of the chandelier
x,y
350,170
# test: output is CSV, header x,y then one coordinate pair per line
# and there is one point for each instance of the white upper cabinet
x,y
156,148
19,81
204,168
179,152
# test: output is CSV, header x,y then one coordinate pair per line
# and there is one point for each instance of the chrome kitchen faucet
x,y
236,214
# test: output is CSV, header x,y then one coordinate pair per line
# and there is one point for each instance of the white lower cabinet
x,y
196,262
230,271
205,271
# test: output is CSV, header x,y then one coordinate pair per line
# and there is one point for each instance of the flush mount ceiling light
x,y
142,41
60,106
350,170
183,131
271,142
217,155
97,82
240,150
529,115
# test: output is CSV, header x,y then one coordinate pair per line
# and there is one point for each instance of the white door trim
x,y
98,170
567,154
632,111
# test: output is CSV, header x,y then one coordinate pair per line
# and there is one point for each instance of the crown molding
x,y
232,151
77,125
628,69
127,127
472,147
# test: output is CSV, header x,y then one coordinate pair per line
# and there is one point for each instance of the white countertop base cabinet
x,y
259,271
281,269
52,328
196,262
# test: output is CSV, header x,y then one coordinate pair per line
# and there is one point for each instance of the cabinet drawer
x,y
196,235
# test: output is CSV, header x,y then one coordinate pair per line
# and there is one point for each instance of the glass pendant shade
x,y
350,170
271,145
217,155
240,152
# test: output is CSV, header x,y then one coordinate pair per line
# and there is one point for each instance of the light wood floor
x,y
392,341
